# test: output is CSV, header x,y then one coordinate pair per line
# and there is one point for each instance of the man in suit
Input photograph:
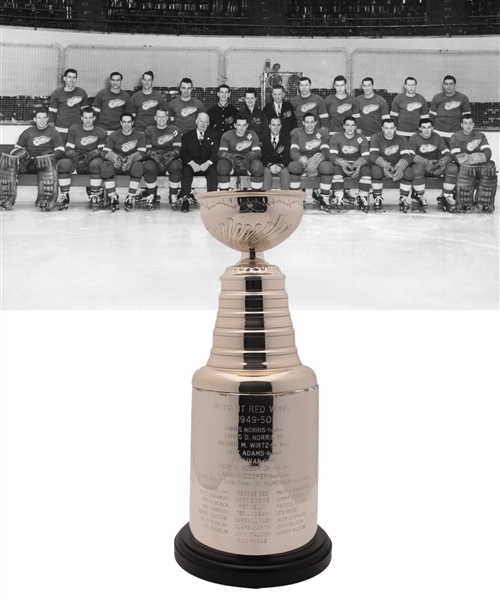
x,y
199,156
276,155
280,108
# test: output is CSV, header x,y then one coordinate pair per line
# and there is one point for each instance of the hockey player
x,y
276,155
146,102
448,107
83,155
257,120
184,109
36,151
349,154
307,102
66,103
370,110
390,157
279,107
221,115
240,154
408,109
111,103
309,153
431,154
123,153
472,170
339,106
163,146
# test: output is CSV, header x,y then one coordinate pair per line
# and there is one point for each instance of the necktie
x,y
275,143
278,109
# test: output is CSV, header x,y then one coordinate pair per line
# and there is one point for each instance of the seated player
x,y
83,155
36,151
309,152
163,148
240,154
349,154
390,157
430,159
472,171
199,156
124,152
276,155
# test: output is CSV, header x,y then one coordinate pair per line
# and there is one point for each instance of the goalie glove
x,y
313,164
476,158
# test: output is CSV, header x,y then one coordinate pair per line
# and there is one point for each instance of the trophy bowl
x,y
251,220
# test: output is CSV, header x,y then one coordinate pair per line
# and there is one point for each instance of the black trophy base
x,y
252,571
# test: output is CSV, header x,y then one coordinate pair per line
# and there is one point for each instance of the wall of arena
x,y
32,62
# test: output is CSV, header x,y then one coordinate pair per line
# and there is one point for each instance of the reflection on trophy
x,y
254,438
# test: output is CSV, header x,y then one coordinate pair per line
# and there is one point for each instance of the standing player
x,y
221,115
111,103
257,120
307,102
123,152
83,155
390,157
339,106
276,155
146,102
349,154
448,107
240,154
370,110
408,109
472,170
163,148
36,151
309,152
66,103
279,107
430,159
184,109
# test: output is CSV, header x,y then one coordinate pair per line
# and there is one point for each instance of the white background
x,y
95,437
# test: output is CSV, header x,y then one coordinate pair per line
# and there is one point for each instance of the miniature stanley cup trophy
x,y
254,438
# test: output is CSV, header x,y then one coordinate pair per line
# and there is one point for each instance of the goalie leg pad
x,y
487,186
466,184
47,182
9,166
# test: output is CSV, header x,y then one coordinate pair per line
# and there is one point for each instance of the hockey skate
x,y
130,201
418,204
447,203
403,204
363,203
339,203
348,199
192,200
324,203
63,202
377,204
96,199
316,196
175,202
114,203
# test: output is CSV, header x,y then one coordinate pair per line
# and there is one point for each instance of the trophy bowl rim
x,y
298,194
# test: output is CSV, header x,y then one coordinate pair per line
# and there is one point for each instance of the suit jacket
x,y
288,118
191,149
280,156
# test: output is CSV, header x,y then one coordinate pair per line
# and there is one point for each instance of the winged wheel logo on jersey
x,y
307,106
43,139
129,146
451,105
74,100
312,144
189,110
149,104
349,149
370,108
89,139
344,108
390,150
427,148
116,103
471,146
413,106
164,139
243,145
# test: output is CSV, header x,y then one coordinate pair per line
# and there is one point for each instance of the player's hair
x,y
349,118
370,79
223,85
150,73
309,114
87,109
389,120
185,80
127,114
278,86
70,71
450,77
241,117
424,121
161,109
39,110
340,78
412,79
466,116
305,79
251,91
115,73
275,118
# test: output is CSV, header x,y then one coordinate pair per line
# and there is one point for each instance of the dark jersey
x,y
348,148
110,107
313,104
468,144
145,107
222,117
233,143
166,139
125,145
338,109
183,113
447,110
308,144
369,113
408,111
431,148
40,141
391,150
83,140
64,107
